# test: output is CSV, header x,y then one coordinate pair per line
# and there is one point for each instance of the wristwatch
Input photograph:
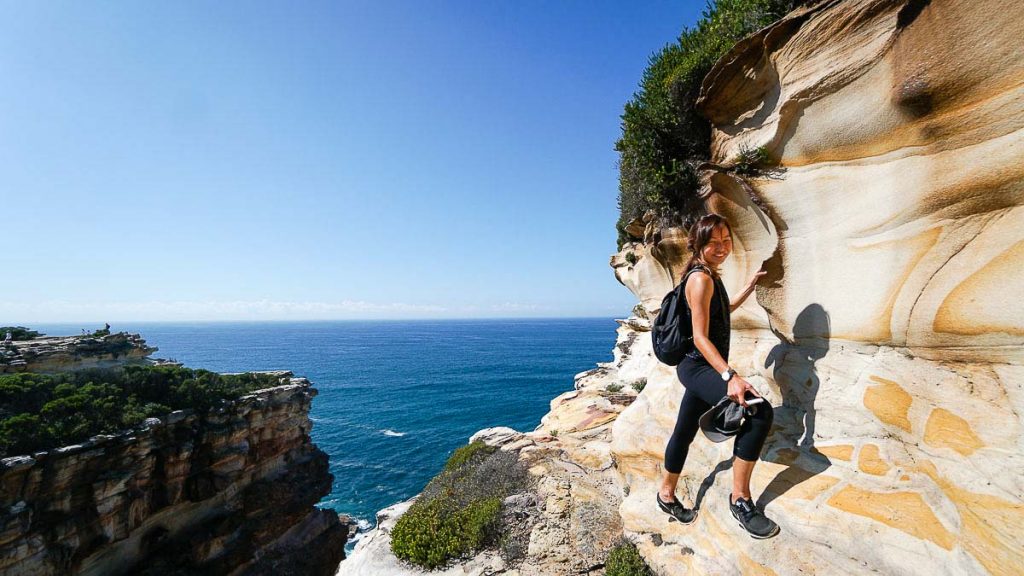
x,y
727,374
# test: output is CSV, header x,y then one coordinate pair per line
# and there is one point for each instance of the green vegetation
x,y
431,534
663,137
19,333
613,388
466,453
624,560
459,511
631,258
43,411
639,384
750,161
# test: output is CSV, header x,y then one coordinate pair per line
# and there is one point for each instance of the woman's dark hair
x,y
700,235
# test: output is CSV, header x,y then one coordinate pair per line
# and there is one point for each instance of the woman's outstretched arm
x,y
740,298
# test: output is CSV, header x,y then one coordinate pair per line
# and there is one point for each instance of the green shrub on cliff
x,y
624,560
465,453
459,511
663,137
431,534
42,411
750,161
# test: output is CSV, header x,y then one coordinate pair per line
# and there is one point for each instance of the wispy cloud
x,y
518,307
63,310
156,310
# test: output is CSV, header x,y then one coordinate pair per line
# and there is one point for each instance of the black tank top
x,y
719,324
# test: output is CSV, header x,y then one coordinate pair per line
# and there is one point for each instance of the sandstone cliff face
x,y
889,329
230,492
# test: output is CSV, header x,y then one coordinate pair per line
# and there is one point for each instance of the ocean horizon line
x,y
115,322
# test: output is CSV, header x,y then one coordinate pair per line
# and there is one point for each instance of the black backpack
x,y
672,332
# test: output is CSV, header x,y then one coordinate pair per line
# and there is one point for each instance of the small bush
x,y
613,388
750,161
459,511
431,534
554,433
625,560
639,385
631,258
465,453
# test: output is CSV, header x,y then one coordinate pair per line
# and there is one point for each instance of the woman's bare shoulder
x,y
699,281
702,276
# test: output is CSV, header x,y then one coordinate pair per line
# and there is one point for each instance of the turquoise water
x,y
397,397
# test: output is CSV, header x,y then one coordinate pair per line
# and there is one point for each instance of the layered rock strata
x,y
59,353
227,492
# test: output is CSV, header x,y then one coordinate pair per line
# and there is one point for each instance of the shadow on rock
x,y
792,440
710,480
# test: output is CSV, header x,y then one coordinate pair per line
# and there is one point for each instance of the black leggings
x,y
704,388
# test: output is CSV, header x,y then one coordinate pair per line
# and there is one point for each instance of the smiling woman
x,y
709,380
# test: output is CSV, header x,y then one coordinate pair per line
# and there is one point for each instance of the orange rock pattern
x,y
945,429
888,402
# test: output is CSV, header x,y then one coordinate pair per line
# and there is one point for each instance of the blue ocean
x,y
396,397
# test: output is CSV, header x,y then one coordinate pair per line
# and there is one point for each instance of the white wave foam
x,y
388,432
362,528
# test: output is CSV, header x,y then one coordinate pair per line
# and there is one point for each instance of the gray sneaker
x,y
752,519
676,510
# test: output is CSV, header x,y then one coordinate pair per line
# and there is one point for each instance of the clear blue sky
x,y
315,160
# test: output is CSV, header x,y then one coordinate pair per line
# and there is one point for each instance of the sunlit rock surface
x,y
889,329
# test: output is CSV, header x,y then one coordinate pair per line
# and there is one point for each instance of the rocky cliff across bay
x,y
226,491
58,353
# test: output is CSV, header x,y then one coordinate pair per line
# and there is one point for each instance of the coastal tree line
x,y
43,411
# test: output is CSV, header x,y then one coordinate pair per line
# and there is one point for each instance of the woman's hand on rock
x,y
754,279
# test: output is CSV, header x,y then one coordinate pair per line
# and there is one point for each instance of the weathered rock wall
x,y
229,492
889,330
